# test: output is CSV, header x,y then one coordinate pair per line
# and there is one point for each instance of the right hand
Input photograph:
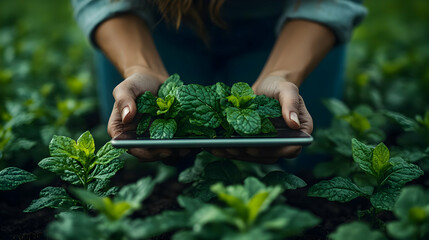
x,y
125,117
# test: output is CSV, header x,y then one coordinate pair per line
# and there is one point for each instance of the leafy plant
x,y
412,211
77,163
384,177
111,223
356,231
12,177
205,110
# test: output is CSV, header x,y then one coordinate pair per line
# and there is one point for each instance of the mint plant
x,y
183,110
77,163
112,222
12,177
412,211
356,230
384,178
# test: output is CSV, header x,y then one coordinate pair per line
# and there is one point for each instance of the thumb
x,y
289,100
125,102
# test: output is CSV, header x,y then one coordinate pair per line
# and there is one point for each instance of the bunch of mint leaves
x,y
196,110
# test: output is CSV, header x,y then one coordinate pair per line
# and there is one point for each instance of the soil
x,y
16,225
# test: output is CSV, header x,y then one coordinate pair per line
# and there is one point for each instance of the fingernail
x,y
125,112
294,117
164,155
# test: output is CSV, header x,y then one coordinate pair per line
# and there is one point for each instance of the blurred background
x,y
47,77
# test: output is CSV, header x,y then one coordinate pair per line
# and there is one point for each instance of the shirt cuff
x,y
90,13
341,16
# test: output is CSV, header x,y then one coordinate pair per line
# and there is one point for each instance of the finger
x,y
283,152
290,101
150,155
115,126
306,119
125,101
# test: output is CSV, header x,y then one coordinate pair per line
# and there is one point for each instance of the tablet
x,y
284,137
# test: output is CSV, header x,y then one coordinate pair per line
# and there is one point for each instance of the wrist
x,y
295,77
161,76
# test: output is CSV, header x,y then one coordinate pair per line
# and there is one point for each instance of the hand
x,y
294,113
125,117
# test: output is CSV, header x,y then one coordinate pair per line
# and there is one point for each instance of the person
x,y
290,50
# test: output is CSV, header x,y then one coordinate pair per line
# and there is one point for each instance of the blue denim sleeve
x,y
341,16
90,13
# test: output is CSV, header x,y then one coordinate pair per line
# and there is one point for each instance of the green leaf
x,y
107,153
357,122
202,103
169,87
135,193
106,171
267,107
65,167
336,107
185,128
188,203
356,231
406,123
221,89
401,172
208,214
112,210
412,196
86,143
338,189
232,198
53,197
174,109
267,126
146,103
286,221
244,121
385,197
380,160
164,105
402,230
285,180
362,155
61,146
153,226
75,226
163,129
241,89
12,177
255,205
143,124
234,100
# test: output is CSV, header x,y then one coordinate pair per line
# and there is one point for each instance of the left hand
x,y
294,113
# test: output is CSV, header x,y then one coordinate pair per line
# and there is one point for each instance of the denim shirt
x,y
341,16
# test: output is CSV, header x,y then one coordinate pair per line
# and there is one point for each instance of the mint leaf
x,y
406,123
401,172
242,89
267,126
185,128
12,177
362,155
356,230
65,167
143,124
267,107
153,226
163,129
223,171
107,153
61,146
338,189
86,143
385,197
106,171
202,103
380,160
174,109
146,103
169,87
221,89
135,193
285,180
53,197
244,121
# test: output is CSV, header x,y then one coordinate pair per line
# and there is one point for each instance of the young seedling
x,y
384,179
77,163
183,110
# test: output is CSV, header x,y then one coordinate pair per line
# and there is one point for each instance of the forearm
x,y
300,46
127,42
